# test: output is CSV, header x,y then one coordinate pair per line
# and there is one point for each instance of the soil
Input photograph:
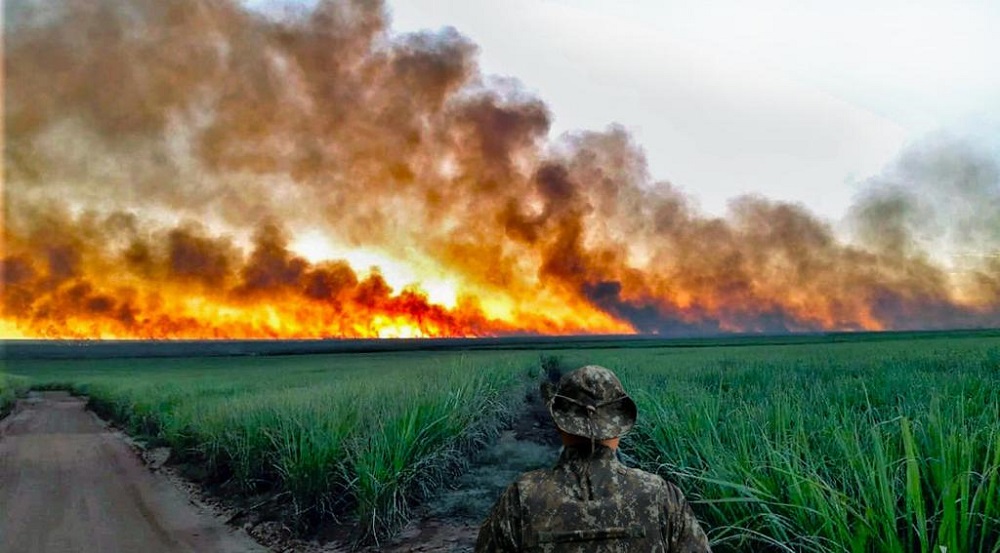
x,y
70,482
535,423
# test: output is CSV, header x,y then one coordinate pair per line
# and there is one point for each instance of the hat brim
x,y
605,422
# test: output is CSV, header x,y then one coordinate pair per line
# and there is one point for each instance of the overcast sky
x,y
795,100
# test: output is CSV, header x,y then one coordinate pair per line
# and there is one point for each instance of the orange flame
x,y
194,286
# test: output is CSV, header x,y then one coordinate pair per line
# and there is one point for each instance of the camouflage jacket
x,y
591,503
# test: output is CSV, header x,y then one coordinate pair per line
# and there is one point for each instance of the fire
x,y
317,176
269,292
386,327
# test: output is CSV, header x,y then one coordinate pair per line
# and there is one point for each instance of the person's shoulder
x,y
647,479
653,483
532,478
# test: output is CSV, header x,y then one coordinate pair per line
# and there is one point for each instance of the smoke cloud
x,y
162,157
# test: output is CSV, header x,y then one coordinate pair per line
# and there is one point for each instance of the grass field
x,y
318,431
853,445
843,448
10,388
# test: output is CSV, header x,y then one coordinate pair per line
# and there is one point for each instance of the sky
x,y
797,101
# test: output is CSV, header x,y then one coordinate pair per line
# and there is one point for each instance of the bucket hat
x,y
591,402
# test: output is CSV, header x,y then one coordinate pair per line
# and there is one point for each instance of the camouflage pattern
x,y
591,402
591,503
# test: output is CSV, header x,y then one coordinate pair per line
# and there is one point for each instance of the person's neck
x,y
569,440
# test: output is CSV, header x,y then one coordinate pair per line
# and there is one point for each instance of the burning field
x,y
194,169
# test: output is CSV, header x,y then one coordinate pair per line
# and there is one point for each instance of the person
x,y
590,502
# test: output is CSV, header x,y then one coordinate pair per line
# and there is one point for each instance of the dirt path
x,y
68,483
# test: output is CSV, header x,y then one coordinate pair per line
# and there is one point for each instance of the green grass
x,y
352,438
866,445
846,449
10,388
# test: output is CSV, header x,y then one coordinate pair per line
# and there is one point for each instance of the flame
x,y
270,293
314,175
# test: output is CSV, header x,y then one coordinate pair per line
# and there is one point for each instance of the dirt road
x,y
69,484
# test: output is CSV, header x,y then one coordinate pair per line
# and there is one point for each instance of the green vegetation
x,y
357,438
846,449
866,445
10,388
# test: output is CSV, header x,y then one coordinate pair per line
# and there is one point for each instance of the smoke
x,y
161,156
941,195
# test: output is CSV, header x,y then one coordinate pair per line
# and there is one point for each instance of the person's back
x,y
590,502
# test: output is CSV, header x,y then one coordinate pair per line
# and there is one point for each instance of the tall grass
x,y
10,388
899,453
353,443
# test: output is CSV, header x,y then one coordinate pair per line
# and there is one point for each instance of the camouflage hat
x,y
591,402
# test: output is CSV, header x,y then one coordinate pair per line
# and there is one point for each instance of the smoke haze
x,y
161,158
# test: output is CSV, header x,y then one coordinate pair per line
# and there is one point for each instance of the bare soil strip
x,y
68,483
